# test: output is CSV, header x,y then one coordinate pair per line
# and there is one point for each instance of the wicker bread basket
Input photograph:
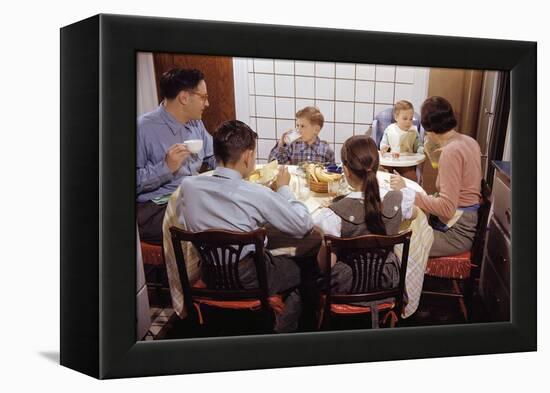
x,y
319,187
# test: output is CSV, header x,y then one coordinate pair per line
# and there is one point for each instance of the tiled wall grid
x,y
348,96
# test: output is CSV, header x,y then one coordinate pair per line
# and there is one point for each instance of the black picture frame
x,y
98,253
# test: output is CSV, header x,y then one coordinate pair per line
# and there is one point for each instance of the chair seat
x,y
353,309
151,254
275,301
452,266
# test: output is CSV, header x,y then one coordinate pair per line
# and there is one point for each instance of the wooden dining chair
x,y
155,273
366,256
462,269
219,253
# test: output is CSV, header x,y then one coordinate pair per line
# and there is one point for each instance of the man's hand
x,y
175,156
384,149
283,177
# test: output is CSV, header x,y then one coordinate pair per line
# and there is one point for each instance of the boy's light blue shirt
x,y
226,201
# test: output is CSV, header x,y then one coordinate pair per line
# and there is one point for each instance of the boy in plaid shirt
x,y
308,147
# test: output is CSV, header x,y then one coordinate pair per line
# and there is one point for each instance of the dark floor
x,y
433,310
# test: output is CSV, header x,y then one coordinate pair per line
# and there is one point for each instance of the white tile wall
x,y
380,107
344,112
252,106
327,132
324,88
342,131
327,109
365,72
265,106
337,150
284,108
363,113
345,70
325,69
263,65
348,95
284,86
364,91
385,73
383,92
302,103
305,68
264,84
345,89
404,92
284,67
305,87
266,128
251,84
404,75
264,147
360,129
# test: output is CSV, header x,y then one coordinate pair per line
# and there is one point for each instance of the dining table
x,y
284,244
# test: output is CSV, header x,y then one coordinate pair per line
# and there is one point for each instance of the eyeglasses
x,y
204,97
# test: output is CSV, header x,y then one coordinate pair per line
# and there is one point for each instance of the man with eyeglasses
x,y
162,159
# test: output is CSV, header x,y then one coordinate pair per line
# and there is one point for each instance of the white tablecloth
x,y
421,242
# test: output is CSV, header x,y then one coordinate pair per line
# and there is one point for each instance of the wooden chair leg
x,y
463,308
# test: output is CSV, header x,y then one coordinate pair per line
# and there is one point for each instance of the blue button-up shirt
x,y
156,132
226,201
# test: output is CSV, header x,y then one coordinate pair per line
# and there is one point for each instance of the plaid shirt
x,y
299,151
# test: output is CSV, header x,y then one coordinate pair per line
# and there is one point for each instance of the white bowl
x,y
193,145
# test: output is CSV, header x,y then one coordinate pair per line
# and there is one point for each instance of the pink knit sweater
x,y
458,180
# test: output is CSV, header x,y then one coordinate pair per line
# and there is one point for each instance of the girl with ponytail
x,y
368,209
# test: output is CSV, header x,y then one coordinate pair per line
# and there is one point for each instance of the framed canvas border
x,y
98,270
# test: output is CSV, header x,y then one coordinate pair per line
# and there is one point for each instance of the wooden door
x,y
218,74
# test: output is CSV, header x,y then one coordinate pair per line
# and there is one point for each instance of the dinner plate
x,y
404,159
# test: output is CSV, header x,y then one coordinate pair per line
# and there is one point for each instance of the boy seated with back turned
x,y
227,201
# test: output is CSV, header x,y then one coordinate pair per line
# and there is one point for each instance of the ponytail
x,y
373,204
360,156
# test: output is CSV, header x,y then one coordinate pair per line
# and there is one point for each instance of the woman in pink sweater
x,y
453,209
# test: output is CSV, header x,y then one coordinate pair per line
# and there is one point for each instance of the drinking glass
x,y
333,188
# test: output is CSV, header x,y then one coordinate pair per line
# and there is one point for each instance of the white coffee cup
x,y
193,145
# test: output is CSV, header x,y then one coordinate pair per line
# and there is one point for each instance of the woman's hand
x,y
397,182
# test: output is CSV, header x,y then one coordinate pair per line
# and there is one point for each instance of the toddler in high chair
x,y
402,137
